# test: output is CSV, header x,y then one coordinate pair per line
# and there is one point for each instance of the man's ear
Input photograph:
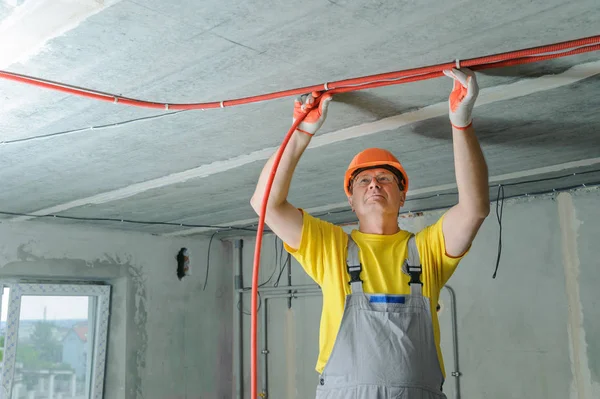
x,y
350,202
402,198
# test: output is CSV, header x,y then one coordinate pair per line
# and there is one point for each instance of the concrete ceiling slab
x,y
84,158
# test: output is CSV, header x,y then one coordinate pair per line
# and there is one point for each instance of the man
x,y
379,334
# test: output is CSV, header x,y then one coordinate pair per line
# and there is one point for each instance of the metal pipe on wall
x,y
289,275
456,373
282,288
293,294
290,292
265,350
238,351
265,337
269,293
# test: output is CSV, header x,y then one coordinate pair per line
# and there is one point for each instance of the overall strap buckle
x,y
413,267
354,272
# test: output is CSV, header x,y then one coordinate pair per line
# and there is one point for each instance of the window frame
x,y
98,317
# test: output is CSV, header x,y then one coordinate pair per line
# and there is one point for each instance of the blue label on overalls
x,y
387,299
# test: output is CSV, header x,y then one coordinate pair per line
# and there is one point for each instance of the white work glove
x,y
463,97
315,108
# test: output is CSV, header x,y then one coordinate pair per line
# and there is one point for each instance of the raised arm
x,y
282,217
462,222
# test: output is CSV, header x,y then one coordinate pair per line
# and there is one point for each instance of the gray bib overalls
x,y
385,346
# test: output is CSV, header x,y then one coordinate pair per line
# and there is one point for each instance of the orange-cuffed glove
x,y
315,108
463,97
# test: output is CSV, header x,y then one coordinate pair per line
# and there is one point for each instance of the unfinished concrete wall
x,y
531,332
168,339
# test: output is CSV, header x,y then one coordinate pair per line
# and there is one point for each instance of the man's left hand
x,y
463,97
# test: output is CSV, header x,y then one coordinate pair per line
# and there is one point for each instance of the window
x,y
54,340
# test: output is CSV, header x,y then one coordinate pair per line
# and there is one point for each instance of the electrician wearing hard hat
x,y
379,333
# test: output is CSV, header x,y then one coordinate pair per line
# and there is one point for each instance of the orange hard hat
x,y
373,158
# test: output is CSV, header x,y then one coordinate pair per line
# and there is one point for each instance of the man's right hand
x,y
314,106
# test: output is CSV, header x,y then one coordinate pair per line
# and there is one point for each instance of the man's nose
x,y
374,183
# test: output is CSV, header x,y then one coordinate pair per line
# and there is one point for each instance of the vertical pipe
x,y
238,320
289,273
1,299
265,351
456,373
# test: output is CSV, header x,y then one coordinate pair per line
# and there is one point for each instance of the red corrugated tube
x,y
512,58
534,54
495,61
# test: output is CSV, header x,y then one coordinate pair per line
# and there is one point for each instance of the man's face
x,y
376,191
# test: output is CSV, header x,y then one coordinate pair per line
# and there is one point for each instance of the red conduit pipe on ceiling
x,y
534,54
525,56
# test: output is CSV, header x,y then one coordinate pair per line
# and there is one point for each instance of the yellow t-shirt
x,y
322,254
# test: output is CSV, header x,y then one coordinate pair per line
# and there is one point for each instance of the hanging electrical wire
x,y
259,303
264,283
208,260
252,227
117,220
95,127
454,192
499,211
275,264
282,268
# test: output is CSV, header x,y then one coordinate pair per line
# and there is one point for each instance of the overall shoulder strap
x,y
353,266
413,267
